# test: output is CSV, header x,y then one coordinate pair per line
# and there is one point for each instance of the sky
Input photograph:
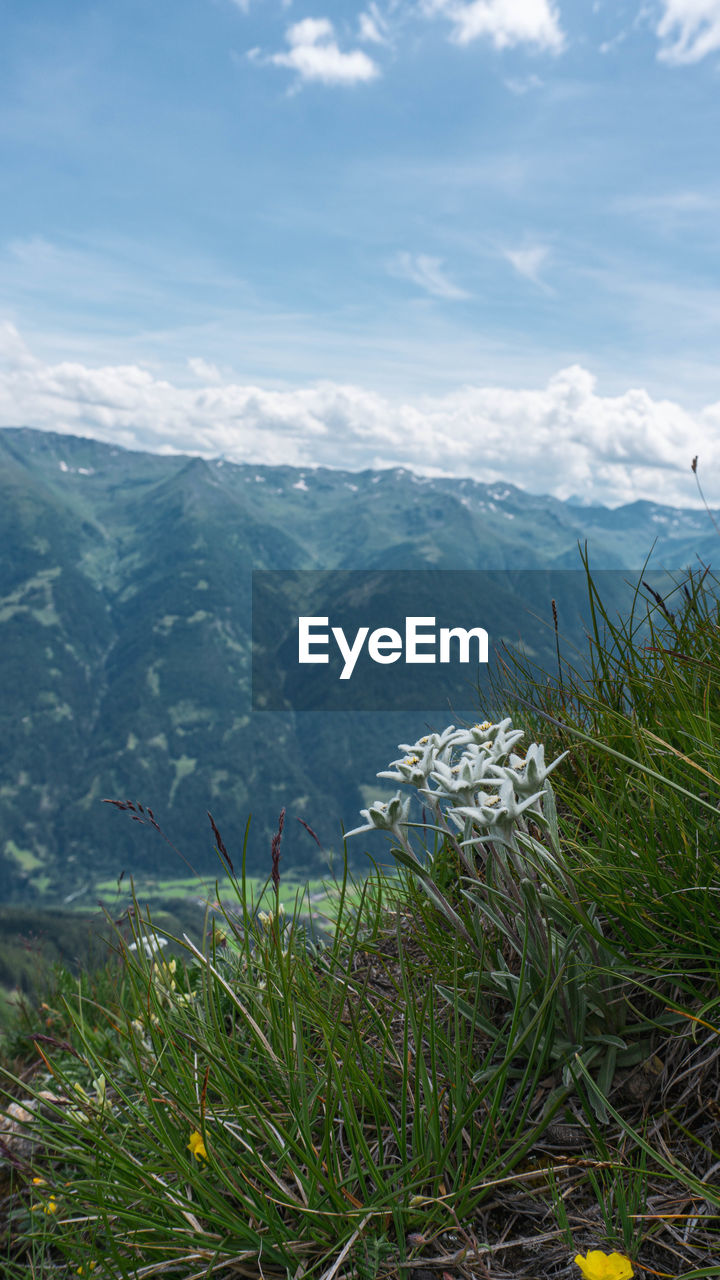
x,y
471,237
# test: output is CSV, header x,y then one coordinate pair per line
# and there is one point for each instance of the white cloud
x,y
427,273
690,30
372,26
203,370
504,22
561,438
315,55
529,262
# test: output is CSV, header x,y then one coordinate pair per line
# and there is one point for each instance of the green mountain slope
x,y
125,641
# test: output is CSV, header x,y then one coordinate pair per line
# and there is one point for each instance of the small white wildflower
x,y
148,945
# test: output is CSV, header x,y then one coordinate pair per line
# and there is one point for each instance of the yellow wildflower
x,y
267,918
81,1270
50,1207
163,972
197,1146
604,1266
39,1182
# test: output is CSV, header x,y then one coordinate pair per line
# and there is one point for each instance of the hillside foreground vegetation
x,y
503,1053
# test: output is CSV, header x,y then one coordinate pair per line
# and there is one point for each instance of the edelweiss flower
x,y
434,742
529,775
457,771
412,769
495,811
497,739
460,781
384,817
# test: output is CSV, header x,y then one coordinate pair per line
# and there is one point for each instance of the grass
x,y
502,1052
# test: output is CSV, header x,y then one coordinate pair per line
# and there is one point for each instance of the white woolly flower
x,y
529,775
413,768
438,743
463,778
502,810
457,771
381,816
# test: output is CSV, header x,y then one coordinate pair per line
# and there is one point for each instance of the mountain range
x,y
125,599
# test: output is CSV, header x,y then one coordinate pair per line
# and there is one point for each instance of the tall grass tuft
x,y
640,793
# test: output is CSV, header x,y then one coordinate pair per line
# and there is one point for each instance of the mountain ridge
x,y
125,648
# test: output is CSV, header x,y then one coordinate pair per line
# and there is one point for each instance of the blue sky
x,y
469,236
